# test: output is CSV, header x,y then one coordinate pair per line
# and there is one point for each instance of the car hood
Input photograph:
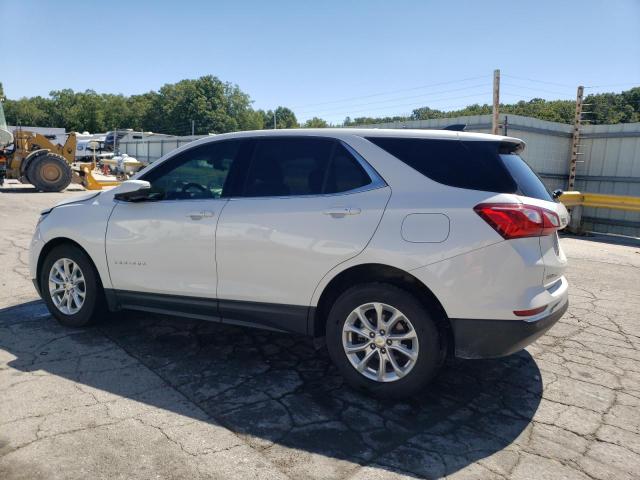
x,y
78,199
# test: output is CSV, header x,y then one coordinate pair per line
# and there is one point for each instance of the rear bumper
x,y
476,338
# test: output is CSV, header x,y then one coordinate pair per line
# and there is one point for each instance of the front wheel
x,y
382,339
70,287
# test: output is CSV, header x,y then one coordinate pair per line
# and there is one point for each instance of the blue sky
x,y
329,58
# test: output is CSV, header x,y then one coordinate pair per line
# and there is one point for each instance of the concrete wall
x,y
60,133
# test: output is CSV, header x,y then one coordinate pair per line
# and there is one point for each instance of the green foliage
x,y
316,122
605,108
214,107
217,107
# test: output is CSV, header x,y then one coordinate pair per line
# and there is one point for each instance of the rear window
x,y
472,165
452,162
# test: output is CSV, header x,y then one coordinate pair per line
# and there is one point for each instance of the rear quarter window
x,y
529,184
470,165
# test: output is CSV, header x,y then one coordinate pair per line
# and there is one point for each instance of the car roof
x,y
375,132
379,132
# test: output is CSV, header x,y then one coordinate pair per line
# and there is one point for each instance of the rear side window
x,y
529,184
302,166
471,165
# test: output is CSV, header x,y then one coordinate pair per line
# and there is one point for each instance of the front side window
x,y
283,167
198,173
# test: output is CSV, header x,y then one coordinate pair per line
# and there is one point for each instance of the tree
x,y
216,107
285,118
316,122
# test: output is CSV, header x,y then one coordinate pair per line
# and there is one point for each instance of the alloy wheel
x,y
67,286
380,342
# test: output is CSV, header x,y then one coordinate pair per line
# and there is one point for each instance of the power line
x,y
412,104
423,95
539,81
536,89
389,92
613,85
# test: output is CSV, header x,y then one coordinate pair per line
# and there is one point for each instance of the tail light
x,y
517,220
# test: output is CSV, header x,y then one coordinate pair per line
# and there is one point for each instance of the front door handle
x,y
342,211
200,215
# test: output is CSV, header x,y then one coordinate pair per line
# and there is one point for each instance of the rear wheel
x,y
382,339
70,287
49,173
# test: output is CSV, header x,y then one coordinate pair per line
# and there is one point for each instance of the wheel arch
x,y
376,272
55,242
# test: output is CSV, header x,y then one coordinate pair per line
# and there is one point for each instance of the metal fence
x,y
610,162
151,149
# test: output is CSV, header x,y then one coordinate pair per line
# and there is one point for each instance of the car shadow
x,y
282,394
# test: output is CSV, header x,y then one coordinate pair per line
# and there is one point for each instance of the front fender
x,y
82,223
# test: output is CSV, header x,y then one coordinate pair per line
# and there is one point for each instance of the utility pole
x,y
274,120
193,127
496,102
575,139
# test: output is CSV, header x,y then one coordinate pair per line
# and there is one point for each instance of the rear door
x,y
307,204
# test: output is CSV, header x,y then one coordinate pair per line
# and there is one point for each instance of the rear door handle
x,y
200,215
342,211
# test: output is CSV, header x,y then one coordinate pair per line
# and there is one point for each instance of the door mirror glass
x,y
132,191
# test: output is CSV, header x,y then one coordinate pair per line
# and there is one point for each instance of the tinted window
x,y
198,173
529,184
471,165
301,166
345,173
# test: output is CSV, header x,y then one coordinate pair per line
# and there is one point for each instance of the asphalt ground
x,y
146,396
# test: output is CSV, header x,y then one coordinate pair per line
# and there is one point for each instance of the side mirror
x,y
132,191
557,194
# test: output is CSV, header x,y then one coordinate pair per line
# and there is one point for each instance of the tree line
x,y
603,108
214,106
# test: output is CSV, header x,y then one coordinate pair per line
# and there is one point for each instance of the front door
x,y
161,252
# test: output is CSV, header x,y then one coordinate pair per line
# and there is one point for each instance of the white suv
x,y
398,246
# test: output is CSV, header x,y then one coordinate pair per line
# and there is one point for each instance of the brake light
x,y
515,220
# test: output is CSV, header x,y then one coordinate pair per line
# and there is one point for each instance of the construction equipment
x,y
36,160
32,158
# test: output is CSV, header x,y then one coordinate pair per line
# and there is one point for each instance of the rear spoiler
x,y
456,127
514,145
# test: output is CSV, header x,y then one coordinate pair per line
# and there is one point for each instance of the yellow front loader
x,y
33,159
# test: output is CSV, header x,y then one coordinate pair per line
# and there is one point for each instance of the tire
x,y
415,320
92,307
49,173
